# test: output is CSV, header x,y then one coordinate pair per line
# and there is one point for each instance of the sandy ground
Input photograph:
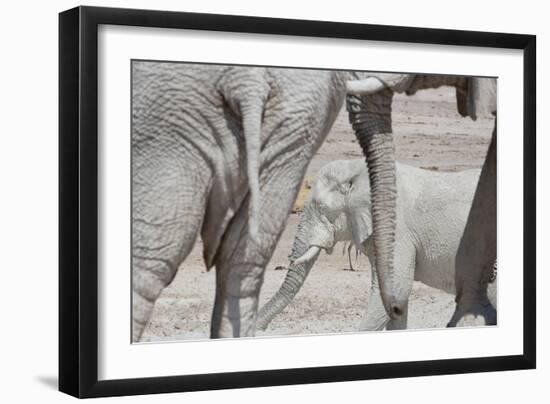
x,y
429,134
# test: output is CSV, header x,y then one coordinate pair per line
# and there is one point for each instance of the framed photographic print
x,y
250,201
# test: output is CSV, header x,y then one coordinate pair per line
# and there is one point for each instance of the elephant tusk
x,y
369,85
397,82
310,254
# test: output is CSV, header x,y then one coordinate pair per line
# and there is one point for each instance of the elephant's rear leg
x,y
168,203
476,255
241,260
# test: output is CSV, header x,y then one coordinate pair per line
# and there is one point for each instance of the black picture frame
x,y
78,201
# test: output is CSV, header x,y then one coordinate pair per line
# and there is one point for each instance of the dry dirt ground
x,y
429,134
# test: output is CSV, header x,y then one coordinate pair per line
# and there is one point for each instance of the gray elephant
x,y
220,150
432,211
369,105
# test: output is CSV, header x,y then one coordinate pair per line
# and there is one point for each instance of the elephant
x,y
369,106
221,151
432,211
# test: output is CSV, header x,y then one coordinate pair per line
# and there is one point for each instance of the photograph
x,y
273,201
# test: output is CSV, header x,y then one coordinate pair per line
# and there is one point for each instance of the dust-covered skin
x,y
210,144
432,212
429,133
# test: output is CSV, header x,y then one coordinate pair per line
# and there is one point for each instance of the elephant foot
x,y
237,320
374,323
141,312
476,315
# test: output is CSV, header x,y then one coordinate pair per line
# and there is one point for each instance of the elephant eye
x,y
346,187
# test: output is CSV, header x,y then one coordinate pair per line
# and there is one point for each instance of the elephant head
x,y
338,209
369,106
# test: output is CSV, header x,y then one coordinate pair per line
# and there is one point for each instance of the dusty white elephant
x,y
432,208
369,105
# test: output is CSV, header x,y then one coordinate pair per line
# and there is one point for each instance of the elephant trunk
x,y
293,281
370,116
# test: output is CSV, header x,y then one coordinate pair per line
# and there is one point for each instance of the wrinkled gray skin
x,y
369,104
221,151
432,209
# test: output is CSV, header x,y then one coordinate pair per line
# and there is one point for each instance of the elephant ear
x,y
477,98
358,211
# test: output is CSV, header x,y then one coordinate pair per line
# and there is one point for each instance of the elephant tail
x,y
246,92
252,111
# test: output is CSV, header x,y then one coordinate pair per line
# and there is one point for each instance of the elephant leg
x,y
349,257
241,260
477,251
168,202
377,317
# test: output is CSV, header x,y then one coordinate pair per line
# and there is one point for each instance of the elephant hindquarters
x,y
168,202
